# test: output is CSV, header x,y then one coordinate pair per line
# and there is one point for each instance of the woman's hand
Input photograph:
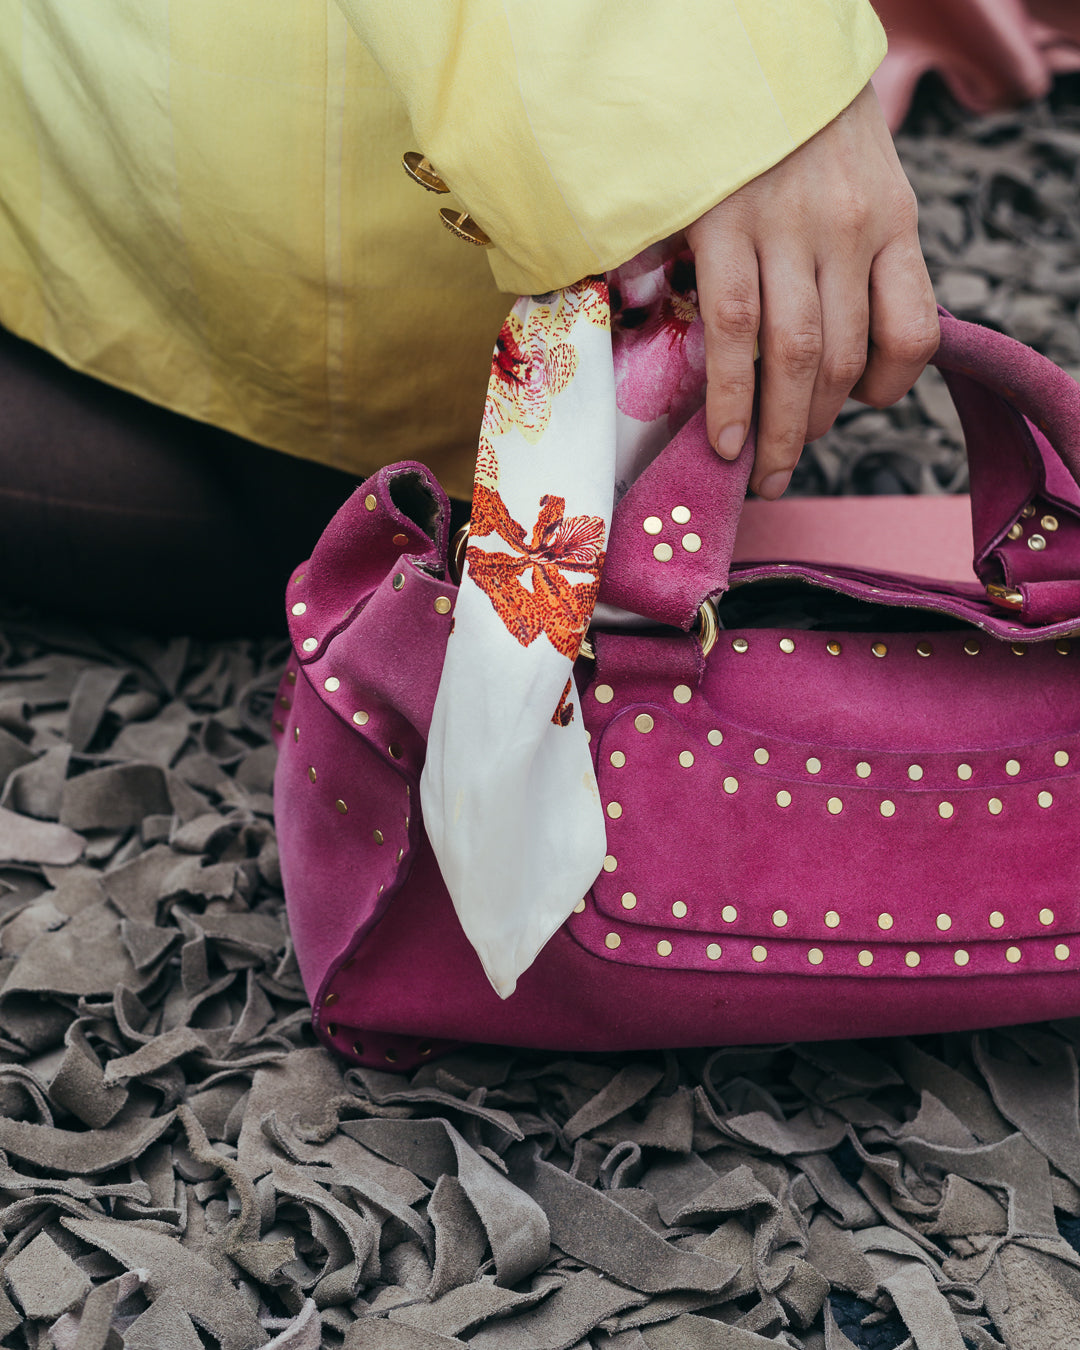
x,y
818,262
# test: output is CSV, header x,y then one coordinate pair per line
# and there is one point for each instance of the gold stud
x,y
885,921
1018,649
443,604
279,725
579,908
1061,952
1049,523
714,951
311,772
361,718
787,645
1063,647
398,581
299,608
863,769
331,1029
663,947
740,645
1028,511
395,750
915,772
912,959
835,806
716,737
833,648
964,771
731,785
961,957
815,956
1036,543
924,649
971,647
296,733
887,808
370,502
610,863
614,810
813,764
1061,758
686,758
612,941
291,676
679,909
682,693
378,836
691,542
330,1000
603,693
994,806
832,919
945,810
309,644
618,759
1046,917
332,684
866,958
1012,767
780,917
629,900
462,226
285,701
761,755
643,723
652,525
1016,531
401,540
759,953
1012,955
783,797
663,552
680,515
1045,799
879,649
997,919
944,922
729,914
341,806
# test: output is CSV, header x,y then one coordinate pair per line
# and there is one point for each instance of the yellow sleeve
x,y
576,132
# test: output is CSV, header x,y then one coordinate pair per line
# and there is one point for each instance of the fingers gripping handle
x,y
663,566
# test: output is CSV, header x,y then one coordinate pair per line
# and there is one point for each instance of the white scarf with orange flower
x,y
587,385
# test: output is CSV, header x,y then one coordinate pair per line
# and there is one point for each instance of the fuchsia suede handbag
x,y
867,826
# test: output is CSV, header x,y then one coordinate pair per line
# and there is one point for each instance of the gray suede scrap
x,y
44,1280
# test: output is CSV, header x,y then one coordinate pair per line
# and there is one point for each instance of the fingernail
x,y
730,441
773,486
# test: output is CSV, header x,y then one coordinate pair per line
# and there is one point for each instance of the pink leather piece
x,y
991,53
754,885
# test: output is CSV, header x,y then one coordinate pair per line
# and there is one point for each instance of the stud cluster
x,y
663,551
1036,540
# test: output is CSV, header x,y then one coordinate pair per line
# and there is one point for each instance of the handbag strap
x,y
673,532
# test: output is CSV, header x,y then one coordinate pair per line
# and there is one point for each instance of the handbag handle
x,y
673,533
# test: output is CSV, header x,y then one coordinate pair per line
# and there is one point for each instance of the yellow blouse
x,y
203,203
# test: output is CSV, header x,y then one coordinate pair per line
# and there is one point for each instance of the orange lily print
x,y
559,608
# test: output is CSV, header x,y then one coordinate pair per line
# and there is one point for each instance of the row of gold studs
x,y
864,769
729,914
835,805
341,806
442,603
972,647
816,956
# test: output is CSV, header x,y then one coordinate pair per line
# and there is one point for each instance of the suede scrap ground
x,y
181,1164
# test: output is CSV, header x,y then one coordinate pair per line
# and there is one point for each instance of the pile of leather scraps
x,y
181,1164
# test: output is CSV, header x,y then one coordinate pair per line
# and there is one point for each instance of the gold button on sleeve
x,y
462,225
421,170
